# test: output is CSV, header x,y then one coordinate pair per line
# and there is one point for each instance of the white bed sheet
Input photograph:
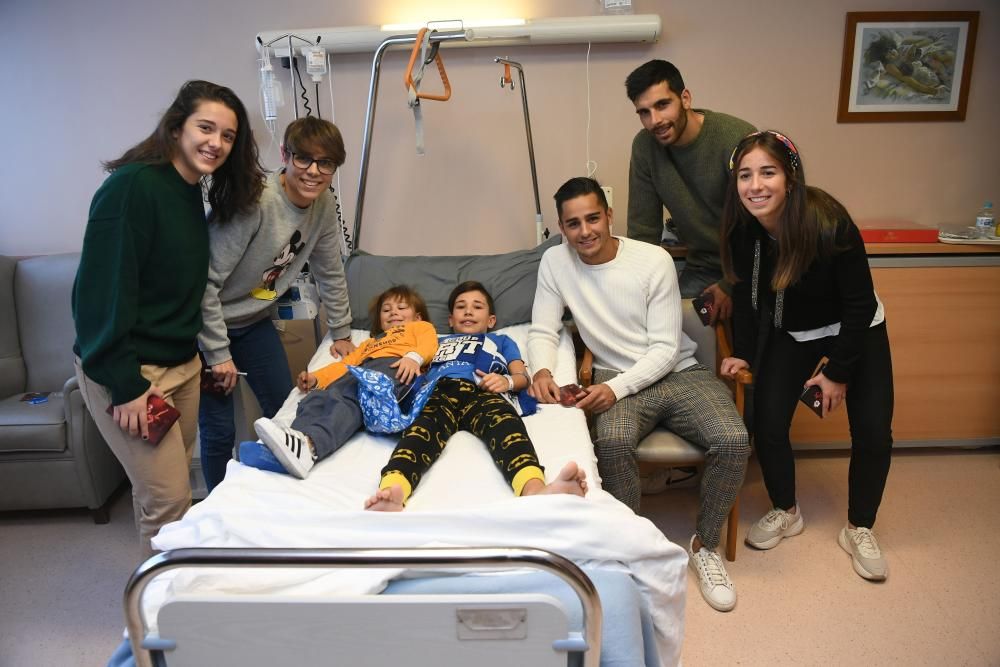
x,y
462,501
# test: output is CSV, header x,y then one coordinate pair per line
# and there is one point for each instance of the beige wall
x,y
82,81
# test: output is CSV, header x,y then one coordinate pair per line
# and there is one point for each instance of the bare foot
x,y
386,500
571,479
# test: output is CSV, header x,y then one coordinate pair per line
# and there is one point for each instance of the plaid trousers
x,y
698,407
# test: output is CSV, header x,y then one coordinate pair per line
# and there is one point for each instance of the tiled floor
x,y
61,576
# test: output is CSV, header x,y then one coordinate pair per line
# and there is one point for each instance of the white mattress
x,y
462,501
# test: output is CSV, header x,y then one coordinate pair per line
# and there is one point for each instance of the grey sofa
x,y
51,454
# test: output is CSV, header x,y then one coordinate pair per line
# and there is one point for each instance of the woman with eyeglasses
x,y
802,291
137,296
253,262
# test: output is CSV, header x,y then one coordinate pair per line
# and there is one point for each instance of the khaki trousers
x,y
161,487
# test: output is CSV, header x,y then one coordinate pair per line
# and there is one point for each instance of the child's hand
x,y
306,381
493,382
406,370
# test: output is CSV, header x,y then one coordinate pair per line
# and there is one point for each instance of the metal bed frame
x,y
485,558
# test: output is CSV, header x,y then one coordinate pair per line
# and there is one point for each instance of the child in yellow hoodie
x,y
403,340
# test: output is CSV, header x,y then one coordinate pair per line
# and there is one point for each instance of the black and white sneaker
x,y
289,446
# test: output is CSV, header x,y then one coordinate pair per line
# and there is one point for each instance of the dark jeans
x,y
785,367
256,350
332,415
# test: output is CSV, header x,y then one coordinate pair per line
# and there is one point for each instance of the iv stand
x,y
291,70
539,224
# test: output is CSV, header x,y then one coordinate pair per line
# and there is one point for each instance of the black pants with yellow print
x,y
459,405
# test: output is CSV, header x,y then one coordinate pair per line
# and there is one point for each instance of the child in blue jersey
x,y
478,373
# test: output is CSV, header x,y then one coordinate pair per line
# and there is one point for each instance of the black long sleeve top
x,y
834,289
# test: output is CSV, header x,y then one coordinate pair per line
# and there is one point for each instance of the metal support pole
x,y
531,145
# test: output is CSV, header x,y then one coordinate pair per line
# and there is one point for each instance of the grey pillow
x,y
509,277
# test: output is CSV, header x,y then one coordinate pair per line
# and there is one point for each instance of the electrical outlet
x,y
609,195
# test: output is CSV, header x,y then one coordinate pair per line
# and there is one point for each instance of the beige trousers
x,y
161,487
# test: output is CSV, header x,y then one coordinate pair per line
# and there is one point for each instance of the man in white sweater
x,y
625,301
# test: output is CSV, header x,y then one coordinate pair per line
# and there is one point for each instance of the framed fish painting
x,y
906,66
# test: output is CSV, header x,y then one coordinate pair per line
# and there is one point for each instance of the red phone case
x,y
813,399
704,305
209,384
812,396
160,416
569,394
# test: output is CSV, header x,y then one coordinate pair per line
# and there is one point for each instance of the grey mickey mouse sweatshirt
x,y
254,259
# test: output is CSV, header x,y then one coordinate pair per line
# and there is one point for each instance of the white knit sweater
x,y
628,312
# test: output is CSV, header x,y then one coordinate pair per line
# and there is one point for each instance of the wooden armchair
x,y
663,448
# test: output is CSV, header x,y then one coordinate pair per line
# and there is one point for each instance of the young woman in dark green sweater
x,y
143,269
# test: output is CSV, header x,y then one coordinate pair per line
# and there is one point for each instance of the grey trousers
x,y
331,416
698,407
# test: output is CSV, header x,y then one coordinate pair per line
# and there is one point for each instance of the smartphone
x,y
160,416
569,394
704,305
812,396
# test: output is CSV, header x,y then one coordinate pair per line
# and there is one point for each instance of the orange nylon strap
x,y
408,77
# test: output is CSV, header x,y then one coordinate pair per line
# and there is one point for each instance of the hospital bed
x,y
462,502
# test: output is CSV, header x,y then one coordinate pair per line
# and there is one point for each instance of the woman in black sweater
x,y
803,291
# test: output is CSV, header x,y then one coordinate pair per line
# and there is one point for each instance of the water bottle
x,y
985,221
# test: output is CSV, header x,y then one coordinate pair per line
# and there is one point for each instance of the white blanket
x,y
462,501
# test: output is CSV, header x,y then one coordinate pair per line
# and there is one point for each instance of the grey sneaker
x,y
289,446
773,527
714,583
865,555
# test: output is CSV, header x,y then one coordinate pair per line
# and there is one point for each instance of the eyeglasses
x,y
303,162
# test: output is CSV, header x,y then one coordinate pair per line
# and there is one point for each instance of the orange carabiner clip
x,y
408,77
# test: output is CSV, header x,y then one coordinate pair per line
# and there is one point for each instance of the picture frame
x,y
906,66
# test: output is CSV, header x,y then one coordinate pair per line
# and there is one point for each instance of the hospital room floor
x,y
61,576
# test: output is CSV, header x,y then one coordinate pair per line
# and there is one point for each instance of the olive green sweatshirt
x,y
143,269
690,181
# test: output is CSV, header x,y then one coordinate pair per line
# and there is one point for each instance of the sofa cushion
x,y
42,287
509,277
11,363
32,428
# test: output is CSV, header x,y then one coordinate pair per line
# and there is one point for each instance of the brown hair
x,y
808,221
396,293
315,134
235,187
470,286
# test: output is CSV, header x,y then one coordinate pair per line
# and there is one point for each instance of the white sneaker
x,y
289,446
866,557
661,479
715,585
655,481
773,527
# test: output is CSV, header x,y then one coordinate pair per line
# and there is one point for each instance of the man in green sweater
x,y
680,160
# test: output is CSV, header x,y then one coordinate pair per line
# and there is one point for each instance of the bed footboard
x,y
472,619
